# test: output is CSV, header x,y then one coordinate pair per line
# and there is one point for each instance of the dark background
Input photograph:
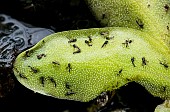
x,y
61,15
57,14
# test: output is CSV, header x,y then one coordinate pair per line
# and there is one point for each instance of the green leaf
x,y
81,64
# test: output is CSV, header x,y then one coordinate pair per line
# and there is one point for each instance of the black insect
x,y
42,80
109,38
129,80
120,71
40,56
34,70
144,61
55,63
90,39
164,64
140,23
72,40
104,33
88,43
166,7
105,43
127,42
149,5
133,60
75,46
68,85
69,67
69,93
78,49
163,88
167,27
22,76
117,84
130,41
53,81
103,16
27,53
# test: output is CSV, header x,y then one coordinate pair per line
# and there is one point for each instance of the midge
x,y
70,93
109,38
119,72
164,88
42,80
164,64
167,27
27,53
127,42
67,85
90,39
104,33
140,23
144,61
55,63
33,69
88,43
22,76
72,40
105,43
166,7
78,49
69,67
39,56
133,60
103,16
53,81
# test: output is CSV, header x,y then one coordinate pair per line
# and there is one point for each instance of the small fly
x,y
42,80
76,47
133,60
105,43
69,67
144,61
72,40
33,69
